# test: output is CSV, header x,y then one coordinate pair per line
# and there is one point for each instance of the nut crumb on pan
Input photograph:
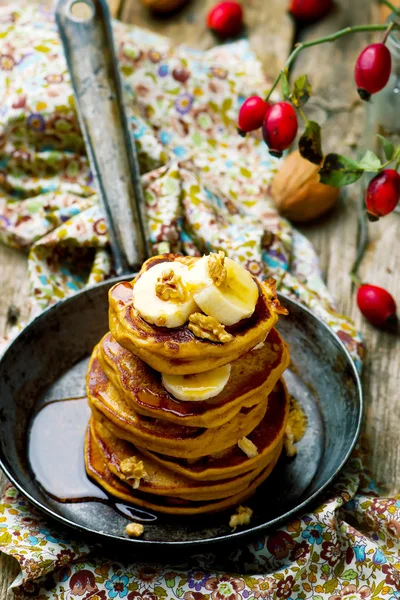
x,y
208,328
216,267
134,529
248,447
295,428
132,468
241,517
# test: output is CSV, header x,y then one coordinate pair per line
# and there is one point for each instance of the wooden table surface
x,y
335,105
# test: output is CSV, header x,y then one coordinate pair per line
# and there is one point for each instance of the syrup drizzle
x,y
56,456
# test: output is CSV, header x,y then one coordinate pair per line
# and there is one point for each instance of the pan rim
x,y
227,538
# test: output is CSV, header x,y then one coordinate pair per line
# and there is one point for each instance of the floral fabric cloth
x,y
205,188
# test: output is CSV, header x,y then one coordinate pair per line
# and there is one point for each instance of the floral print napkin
x,y
206,188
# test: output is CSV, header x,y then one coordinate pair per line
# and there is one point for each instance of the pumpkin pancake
x,y
252,377
233,462
177,351
160,480
164,437
97,469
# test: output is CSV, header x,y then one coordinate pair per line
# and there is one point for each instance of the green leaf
x,y
338,170
378,589
179,592
349,575
310,143
170,582
5,538
326,569
285,87
301,91
330,585
339,568
182,582
160,591
370,162
388,147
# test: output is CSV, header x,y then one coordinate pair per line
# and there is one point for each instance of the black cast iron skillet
x,y
47,361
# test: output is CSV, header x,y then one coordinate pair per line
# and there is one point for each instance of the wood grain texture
x,y
337,108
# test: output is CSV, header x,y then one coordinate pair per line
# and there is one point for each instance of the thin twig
x,y
362,240
327,39
392,7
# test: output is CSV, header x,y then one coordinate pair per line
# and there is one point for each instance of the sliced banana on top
x,y
229,294
193,388
160,295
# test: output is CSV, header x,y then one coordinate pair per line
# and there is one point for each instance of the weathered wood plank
x,y
330,68
269,27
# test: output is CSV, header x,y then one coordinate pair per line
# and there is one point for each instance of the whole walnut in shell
x,y
163,6
297,192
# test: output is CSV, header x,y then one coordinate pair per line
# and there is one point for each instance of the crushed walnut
x,y
188,261
132,468
208,328
216,267
241,517
295,428
248,447
169,286
134,529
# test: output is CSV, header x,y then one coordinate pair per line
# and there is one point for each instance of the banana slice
x,y
194,388
174,310
228,299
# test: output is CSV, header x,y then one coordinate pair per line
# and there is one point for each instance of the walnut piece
x,y
216,267
132,468
248,447
169,286
295,428
288,443
134,529
208,328
241,517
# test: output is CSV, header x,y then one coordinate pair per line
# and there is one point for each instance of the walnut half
x,y
132,468
169,286
208,328
216,267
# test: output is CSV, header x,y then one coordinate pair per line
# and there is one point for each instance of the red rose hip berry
x,y
372,70
383,194
251,114
309,10
226,19
280,127
376,305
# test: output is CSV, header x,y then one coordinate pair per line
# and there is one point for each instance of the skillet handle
x,y
85,30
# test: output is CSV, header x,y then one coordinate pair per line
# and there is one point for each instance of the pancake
x,y
178,351
160,480
164,437
252,378
266,436
97,469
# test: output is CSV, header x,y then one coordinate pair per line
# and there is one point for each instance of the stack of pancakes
x,y
149,448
